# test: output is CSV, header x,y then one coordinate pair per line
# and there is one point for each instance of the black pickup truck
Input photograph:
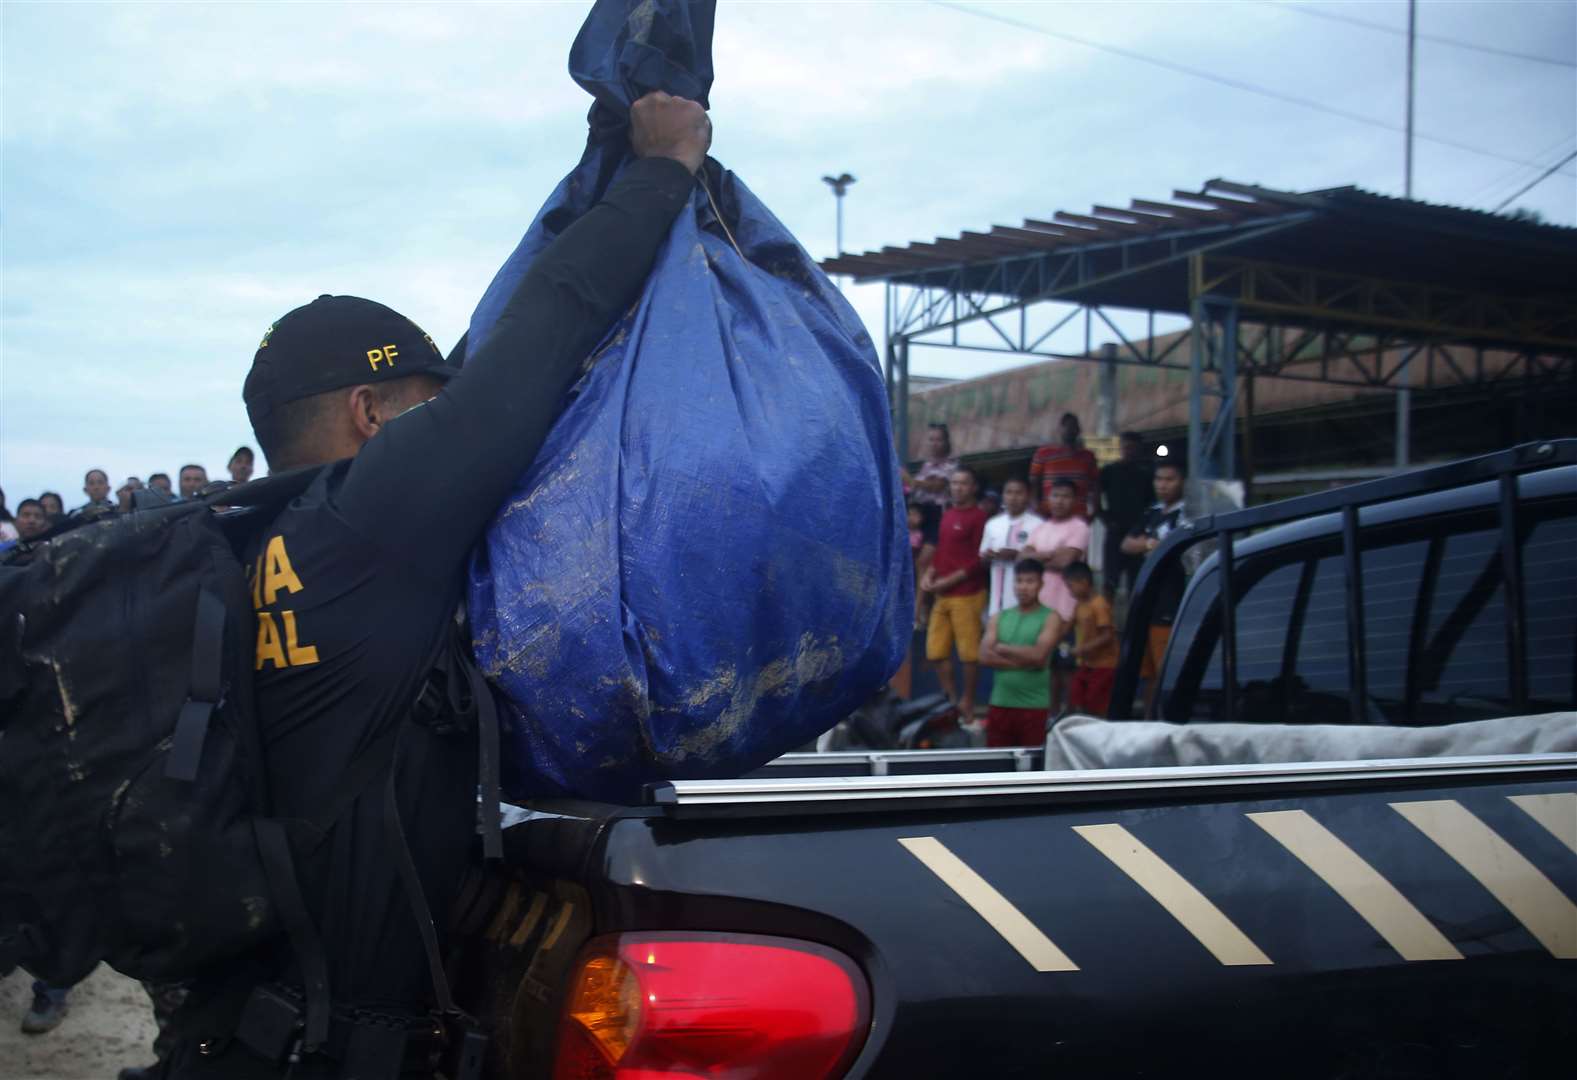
x,y
973,914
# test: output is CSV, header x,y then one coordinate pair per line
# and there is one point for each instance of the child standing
x,y
1095,649
921,552
1018,644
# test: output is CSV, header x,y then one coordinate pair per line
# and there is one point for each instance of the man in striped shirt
x,y
1070,461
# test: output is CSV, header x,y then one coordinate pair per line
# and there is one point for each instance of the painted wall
x,y
1020,408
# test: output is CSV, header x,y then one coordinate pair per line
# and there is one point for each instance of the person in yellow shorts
x,y
957,579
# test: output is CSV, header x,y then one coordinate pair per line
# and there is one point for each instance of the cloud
x,y
177,176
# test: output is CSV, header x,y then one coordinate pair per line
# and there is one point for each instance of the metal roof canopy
x,y
1340,286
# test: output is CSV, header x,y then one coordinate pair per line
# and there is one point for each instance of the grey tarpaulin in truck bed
x,y
1084,742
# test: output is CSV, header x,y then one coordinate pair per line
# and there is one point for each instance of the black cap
x,y
332,342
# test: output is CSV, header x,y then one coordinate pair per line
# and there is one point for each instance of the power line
x,y
1545,175
1512,177
1223,80
1438,39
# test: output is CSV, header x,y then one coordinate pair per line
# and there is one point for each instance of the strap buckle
x,y
271,1026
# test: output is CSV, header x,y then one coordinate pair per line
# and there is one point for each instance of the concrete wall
x,y
1020,408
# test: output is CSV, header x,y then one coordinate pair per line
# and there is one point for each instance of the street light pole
x,y
1404,395
1412,45
840,185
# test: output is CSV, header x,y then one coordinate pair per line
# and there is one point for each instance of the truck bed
x,y
1409,917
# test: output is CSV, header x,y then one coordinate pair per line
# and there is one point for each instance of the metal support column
x,y
889,364
1196,388
1223,431
1212,451
1106,399
1248,437
1404,417
902,358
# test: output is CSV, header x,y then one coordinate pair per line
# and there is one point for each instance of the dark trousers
x,y
1115,565
167,999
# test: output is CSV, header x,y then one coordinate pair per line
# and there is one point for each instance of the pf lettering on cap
x,y
385,355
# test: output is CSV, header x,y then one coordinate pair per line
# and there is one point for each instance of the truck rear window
x,y
1435,629
1549,563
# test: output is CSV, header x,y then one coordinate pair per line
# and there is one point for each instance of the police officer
x,y
356,583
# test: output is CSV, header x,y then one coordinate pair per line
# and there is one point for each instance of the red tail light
x,y
722,1006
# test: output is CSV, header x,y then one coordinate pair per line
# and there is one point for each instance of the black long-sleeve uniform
x,y
355,582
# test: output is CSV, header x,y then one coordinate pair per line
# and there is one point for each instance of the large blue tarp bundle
x,y
707,565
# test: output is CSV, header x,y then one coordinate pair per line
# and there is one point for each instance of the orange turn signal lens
x,y
607,1004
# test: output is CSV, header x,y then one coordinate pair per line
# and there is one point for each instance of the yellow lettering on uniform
x,y
277,573
389,353
257,583
268,642
373,356
299,654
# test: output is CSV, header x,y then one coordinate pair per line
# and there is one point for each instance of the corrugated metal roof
x,y
1348,230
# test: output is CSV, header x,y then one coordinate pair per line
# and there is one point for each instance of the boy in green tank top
x,y
1018,644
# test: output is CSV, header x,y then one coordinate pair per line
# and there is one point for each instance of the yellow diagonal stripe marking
x,y
1500,868
557,930
1172,891
990,905
506,912
1374,898
1557,813
539,904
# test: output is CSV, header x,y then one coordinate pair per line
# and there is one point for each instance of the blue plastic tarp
x,y
708,563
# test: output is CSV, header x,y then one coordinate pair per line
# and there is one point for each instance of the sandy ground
x,y
110,1026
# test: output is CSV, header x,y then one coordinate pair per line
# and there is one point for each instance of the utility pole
x,y
1412,47
840,185
1404,395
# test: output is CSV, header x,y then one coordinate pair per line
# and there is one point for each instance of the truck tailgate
x,y
1398,924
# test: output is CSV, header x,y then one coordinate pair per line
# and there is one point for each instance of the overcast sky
x,y
176,176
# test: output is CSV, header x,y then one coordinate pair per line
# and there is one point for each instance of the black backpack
x,y
133,803
130,769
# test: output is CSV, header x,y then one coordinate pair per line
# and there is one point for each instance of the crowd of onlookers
x,y
1006,578
34,517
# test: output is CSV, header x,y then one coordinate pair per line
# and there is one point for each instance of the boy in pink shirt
x,y
1062,539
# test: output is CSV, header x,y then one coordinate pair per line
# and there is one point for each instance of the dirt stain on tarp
x,y
629,698
563,475
812,662
855,580
722,683
639,20
534,654
531,627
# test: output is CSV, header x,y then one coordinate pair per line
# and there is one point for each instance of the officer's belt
x,y
366,1042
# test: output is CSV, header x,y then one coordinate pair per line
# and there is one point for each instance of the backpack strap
x,y
191,728
305,943
487,762
492,837
271,490
455,694
400,852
